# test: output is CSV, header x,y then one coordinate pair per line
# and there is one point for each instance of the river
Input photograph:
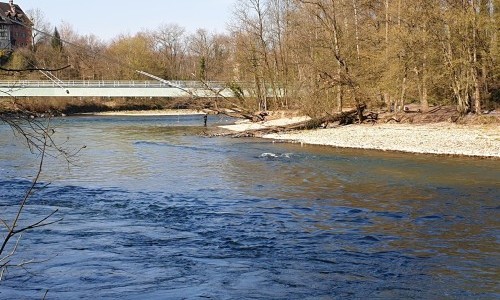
x,y
153,210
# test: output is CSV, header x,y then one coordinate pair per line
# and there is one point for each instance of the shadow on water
x,y
151,210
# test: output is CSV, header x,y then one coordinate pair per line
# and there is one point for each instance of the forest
x,y
323,55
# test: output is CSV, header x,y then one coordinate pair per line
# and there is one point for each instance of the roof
x,y
6,14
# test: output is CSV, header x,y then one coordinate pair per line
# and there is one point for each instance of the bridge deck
x,y
81,88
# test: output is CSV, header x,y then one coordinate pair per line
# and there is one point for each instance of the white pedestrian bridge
x,y
83,88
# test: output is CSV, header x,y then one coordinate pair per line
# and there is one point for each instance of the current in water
x,y
152,210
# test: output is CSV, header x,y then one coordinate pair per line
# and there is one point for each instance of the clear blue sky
x,y
109,18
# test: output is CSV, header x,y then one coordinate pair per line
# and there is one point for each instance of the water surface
x,y
153,210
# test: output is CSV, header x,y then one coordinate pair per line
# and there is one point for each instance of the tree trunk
x,y
339,98
424,101
356,28
475,65
403,90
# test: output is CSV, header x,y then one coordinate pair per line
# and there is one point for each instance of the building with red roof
x,y
15,27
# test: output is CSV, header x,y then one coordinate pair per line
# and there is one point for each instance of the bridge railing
x,y
109,84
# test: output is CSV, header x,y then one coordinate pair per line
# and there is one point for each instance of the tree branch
x,y
34,69
28,194
5,224
3,266
39,223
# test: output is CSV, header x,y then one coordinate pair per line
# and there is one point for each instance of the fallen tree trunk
x,y
344,118
240,113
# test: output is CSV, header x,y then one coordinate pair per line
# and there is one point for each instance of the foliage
x,y
317,55
56,42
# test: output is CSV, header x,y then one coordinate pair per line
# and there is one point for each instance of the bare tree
x,y
40,24
169,41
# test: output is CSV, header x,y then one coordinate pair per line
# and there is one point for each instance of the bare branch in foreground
x,y
38,138
34,69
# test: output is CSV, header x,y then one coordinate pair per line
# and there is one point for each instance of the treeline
x,y
316,55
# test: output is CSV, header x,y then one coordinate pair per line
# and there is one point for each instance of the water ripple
x,y
154,213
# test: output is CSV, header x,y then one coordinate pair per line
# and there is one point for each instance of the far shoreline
x,y
146,113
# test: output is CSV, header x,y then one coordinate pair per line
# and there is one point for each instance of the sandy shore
x,y
438,138
163,112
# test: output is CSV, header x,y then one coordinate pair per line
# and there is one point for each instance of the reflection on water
x,y
152,210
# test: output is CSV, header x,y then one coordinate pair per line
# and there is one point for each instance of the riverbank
x,y
433,138
159,112
54,107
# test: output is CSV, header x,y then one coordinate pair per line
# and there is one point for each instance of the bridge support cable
x,y
111,59
93,52
169,83
188,91
54,79
157,78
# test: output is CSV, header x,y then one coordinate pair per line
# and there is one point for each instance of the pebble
x,y
438,138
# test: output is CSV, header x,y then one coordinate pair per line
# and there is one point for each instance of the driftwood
x,y
434,110
408,110
394,119
242,114
436,114
343,118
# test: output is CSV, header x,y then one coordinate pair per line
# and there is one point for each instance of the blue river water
x,y
153,210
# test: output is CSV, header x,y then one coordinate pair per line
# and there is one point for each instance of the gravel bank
x,y
440,138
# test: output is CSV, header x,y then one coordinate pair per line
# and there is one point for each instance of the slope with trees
x,y
315,55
